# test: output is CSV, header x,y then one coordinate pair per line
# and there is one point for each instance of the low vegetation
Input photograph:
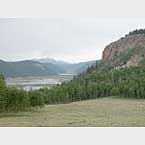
x,y
108,111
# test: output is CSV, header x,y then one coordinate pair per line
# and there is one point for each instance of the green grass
x,y
99,112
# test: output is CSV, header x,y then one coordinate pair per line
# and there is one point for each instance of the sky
x,y
71,39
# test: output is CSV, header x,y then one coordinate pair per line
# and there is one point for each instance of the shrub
x,y
16,99
36,98
115,91
2,85
2,103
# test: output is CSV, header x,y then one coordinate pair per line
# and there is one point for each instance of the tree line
x,y
13,99
137,31
124,82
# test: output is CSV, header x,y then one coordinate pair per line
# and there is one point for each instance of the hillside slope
x,y
72,68
127,51
28,68
42,68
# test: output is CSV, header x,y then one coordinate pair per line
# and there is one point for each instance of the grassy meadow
x,y
102,112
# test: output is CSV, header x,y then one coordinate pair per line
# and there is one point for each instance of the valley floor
x,y
96,113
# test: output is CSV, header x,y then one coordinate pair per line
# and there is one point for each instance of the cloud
x,y
70,39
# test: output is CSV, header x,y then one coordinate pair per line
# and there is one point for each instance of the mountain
x,y
45,60
81,67
41,67
72,68
28,68
127,51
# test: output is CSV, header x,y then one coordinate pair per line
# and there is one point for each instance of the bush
x,y
36,98
13,99
16,99
2,103
2,85
115,91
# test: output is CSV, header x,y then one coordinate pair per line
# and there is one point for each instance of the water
x,y
34,83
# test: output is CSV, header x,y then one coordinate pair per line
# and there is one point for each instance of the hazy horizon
x,y
33,59
71,39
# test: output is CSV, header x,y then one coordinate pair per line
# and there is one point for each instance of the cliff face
x,y
127,51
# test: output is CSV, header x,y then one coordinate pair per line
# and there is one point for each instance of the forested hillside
x,y
125,83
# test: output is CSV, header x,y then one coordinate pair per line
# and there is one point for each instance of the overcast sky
x,y
71,39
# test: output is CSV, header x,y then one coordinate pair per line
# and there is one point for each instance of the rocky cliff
x,y
127,51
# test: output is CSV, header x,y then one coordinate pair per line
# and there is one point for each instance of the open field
x,y
100,112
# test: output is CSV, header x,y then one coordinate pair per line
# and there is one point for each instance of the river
x,y
33,83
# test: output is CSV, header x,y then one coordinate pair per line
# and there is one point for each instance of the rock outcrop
x,y
128,51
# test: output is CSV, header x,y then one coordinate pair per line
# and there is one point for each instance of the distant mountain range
x,y
41,67
73,68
